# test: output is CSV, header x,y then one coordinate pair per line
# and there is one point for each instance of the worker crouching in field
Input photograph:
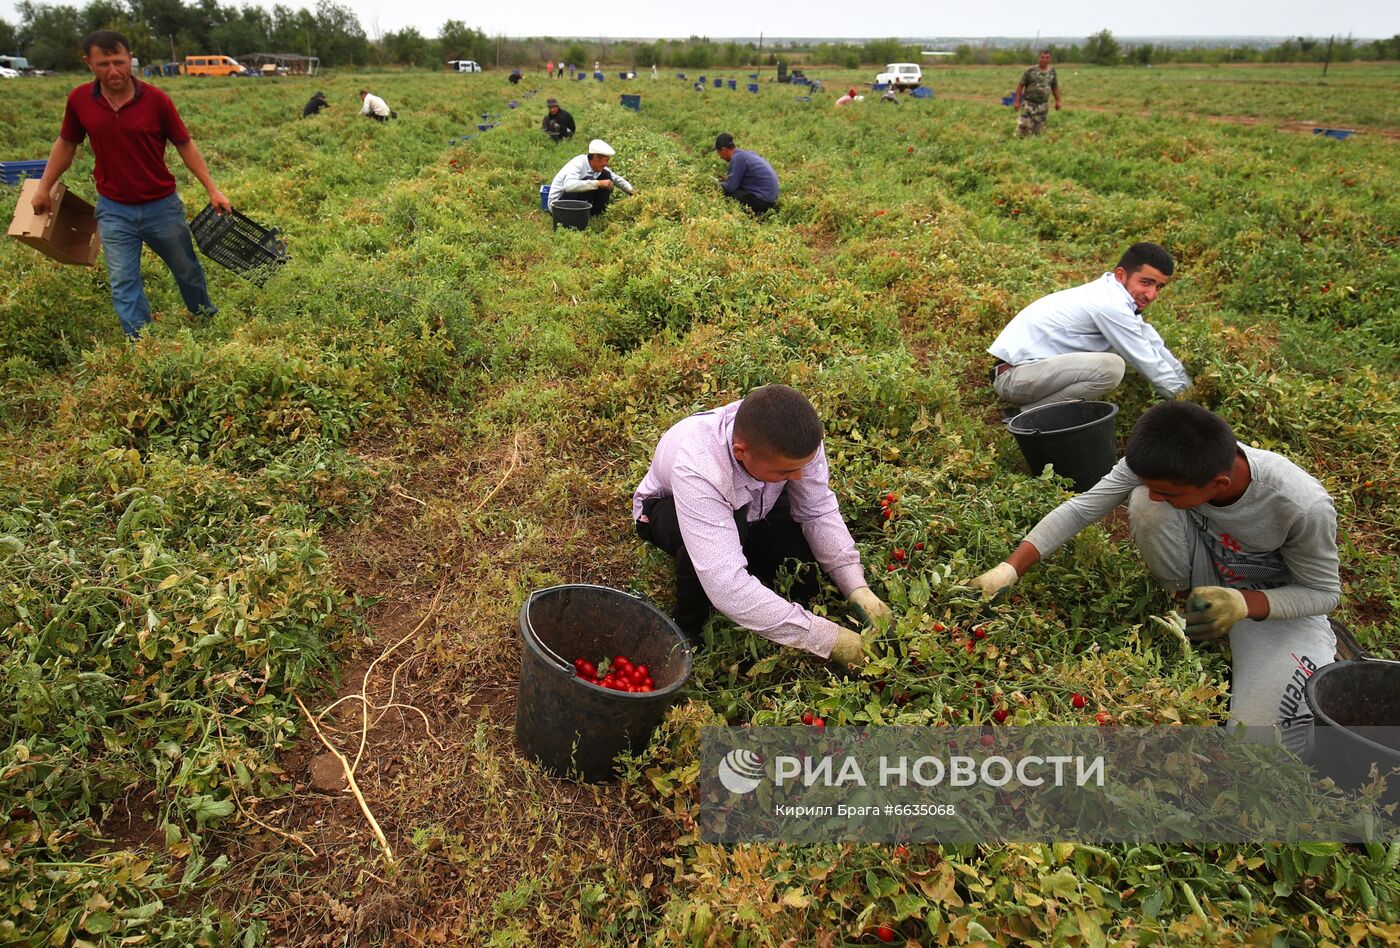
x,y
588,178
374,107
733,494
1076,343
1245,538
314,105
751,180
128,124
557,123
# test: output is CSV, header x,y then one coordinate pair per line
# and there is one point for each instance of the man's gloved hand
x,y
1212,610
999,577
869,605
849,649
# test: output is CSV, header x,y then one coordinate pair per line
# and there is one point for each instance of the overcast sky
x,y
651,18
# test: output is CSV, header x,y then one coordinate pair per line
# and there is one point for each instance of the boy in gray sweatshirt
x,y
1245,538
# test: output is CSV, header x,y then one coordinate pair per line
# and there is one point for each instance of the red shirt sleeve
x,y
72,130
172,124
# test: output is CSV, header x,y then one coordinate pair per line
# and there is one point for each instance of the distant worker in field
x,y
848,98
559,70
653,70
1076,343
734,494
597,67
557,123
889,98
1244,538
128,124
314,105
549,69
371,106
1033,93
515,76
588,178
751,180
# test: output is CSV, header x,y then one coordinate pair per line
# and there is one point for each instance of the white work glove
x,y
849,649
1211,611
999,577
869,605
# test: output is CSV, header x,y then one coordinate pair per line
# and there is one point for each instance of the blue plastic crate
x,y
1008,99
753,87
733,83
633,102
1337,133
13,172
923,92
879,86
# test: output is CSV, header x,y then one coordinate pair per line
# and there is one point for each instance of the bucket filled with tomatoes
x,y
598,669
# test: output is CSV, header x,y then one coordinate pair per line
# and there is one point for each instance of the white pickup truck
x,y
901,76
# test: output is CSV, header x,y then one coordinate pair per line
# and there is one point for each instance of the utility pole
x,y
1328,61
172,48
760,54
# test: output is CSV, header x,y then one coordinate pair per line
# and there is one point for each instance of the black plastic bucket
x,y
570,213
1076,438
1356,722
568,725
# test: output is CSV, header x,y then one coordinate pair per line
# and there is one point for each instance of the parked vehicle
x,y
7,73
900,76
464,65
213,66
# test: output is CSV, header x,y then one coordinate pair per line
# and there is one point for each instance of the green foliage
x,y
1102,49
163,559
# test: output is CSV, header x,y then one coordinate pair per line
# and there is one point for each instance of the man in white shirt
x,y
588,178
1076,343
374,107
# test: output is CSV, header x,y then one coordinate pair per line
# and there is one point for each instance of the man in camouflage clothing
x,y
1033,93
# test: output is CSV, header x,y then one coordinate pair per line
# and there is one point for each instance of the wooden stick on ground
x,y
350,779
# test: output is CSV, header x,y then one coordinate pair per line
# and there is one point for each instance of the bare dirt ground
x,y
431,744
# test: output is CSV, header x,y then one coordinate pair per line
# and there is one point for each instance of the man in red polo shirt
x,y
129,123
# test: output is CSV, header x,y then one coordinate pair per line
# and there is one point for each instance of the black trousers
x,y
752,202
767,545
599,198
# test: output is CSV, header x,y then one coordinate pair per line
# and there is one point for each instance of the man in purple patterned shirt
x,y
734,493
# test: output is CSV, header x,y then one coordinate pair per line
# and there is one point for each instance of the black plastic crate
x,y
243,245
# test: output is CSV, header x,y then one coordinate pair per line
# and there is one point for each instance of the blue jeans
x,y
160,225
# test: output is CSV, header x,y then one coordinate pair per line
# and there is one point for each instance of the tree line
x,y
48,35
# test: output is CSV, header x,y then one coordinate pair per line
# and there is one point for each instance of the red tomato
x,y
901,851
899,555
642,670
1103,717
885,933
987,740
819,723
978,632
1000,715
807,717
1078,700
919,545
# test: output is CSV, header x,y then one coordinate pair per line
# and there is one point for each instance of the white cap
x,y
600,147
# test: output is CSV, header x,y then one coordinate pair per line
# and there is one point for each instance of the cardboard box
x,y
68,232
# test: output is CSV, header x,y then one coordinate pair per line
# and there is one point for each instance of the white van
x,y
464,65
901,76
